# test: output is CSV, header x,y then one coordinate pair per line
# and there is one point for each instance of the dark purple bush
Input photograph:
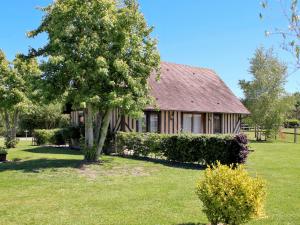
x,y
242,138
242,148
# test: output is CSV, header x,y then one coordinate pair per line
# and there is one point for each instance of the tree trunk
x,y
15,125
85,128
7,124
98,126
103,132
90,152
89,124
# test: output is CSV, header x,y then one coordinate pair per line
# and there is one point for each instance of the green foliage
x,y
43,136
117,52
10,142
16,90
54,136
265,96
290,123
89,154
99,52
75,132
44,117
185,148
59,136
3,151
230,196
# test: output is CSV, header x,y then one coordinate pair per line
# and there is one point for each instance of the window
x,y
187,123
217,123
142,124
149,123
153,120
197,126
192,123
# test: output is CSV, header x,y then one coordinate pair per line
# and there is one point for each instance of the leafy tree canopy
x,y
265,95
16,90
99,51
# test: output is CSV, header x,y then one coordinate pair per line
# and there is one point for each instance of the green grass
x,y
50,186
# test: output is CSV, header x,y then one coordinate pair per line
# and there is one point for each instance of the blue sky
x,y
221,35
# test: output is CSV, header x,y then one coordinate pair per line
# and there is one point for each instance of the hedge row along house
x,y
188,99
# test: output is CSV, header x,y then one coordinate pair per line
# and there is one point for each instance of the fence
x,y
289,135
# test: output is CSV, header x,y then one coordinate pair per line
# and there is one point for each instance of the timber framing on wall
x,y
169,122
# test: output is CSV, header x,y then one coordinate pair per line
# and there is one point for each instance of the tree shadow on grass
x,y
54,150
191,224
35,165
191,166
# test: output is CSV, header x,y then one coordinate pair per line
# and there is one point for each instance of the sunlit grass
x,y
51,186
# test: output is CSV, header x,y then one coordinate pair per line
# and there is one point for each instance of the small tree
x,y
15,88
100,53
265,96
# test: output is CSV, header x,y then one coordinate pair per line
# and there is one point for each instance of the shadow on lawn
x,y
191,166
35,165
54,150
191,224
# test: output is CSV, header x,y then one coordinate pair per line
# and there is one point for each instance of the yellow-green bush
x,y
230,196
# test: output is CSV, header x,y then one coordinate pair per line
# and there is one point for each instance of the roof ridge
x,y
194,67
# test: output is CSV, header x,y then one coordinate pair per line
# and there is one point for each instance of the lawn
x,y
51,186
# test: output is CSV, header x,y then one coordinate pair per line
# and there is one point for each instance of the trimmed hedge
x,y
204,149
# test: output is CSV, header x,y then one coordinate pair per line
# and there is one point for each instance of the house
x,y
188,99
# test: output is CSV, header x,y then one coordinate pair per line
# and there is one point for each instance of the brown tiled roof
x,y
191,89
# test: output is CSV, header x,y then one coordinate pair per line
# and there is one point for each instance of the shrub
x,y
290,123
205,149
42,136
231,196
59,137
54,136
74,132
3,151
10,142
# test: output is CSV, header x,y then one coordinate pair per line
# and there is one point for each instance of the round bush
x,y
230,196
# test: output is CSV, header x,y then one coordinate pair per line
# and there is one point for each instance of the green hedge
x,y
204,149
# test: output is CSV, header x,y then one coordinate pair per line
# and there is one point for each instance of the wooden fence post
x,y
295,134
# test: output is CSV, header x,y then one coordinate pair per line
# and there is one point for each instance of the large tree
x,y
265,96
99,54
16,89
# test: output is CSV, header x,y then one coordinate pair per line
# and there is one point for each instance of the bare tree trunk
x,y
7,124
89,124
103,132
15,125
98,126
86,138
85,128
